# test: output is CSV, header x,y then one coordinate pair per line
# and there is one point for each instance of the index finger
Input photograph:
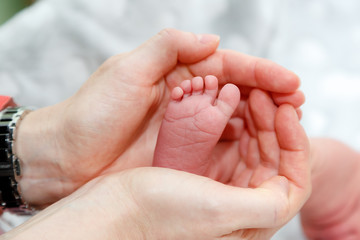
x,y
244,70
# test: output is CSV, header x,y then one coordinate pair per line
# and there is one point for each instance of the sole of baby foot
x,y
193,123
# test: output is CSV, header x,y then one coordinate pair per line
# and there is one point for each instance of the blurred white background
x,y
48,50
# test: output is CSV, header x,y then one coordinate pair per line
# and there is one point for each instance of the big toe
x,y
229,98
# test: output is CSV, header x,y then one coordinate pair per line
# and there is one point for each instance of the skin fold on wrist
x,y
36,145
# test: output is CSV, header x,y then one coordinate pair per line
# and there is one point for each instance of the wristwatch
x,y
9,164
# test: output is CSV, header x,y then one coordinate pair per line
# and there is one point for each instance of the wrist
x,y
41,181
103,207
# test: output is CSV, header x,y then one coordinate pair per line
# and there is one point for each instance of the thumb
x,y
179,200
161,53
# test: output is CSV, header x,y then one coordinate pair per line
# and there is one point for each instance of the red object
x,y
6,101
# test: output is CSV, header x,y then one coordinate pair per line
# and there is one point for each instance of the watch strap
x,y
9,164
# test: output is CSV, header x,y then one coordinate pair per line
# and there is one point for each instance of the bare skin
x,y
333,211
271,145
267,186
66,145
129,93
193,124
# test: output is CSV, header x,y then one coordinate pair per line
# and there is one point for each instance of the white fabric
x,y
48,50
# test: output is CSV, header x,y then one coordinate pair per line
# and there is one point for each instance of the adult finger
x,y
294,153
162,52
244,70
263,110
296,98
206,206
293,143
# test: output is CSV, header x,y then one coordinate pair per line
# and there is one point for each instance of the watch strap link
x,y
9,164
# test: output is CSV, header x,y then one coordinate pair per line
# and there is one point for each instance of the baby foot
x,y
193,123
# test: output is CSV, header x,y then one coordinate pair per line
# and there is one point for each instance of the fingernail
x,y
207,38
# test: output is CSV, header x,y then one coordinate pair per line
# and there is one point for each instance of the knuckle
x,y
167,33
114,62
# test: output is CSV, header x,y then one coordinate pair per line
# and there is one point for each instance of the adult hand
x,y
332,211
271,144
159,203
111,123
